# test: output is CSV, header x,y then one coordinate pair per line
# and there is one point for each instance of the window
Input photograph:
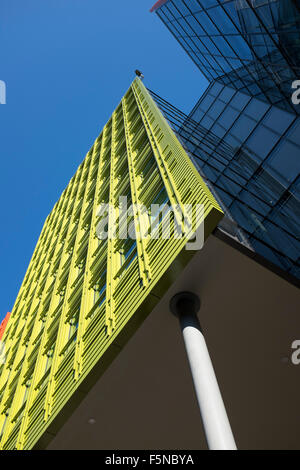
x,y
243,127
262,141
278,119
285,160
256,109
240,100
100,289
228,117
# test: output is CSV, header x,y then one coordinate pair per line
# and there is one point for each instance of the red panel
x,y
4,324
158,5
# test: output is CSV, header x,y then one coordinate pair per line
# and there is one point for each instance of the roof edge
x,y
4,324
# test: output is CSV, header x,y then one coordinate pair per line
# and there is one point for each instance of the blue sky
x,y
66,64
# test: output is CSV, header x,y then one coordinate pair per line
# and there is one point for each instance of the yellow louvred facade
x,y
83,297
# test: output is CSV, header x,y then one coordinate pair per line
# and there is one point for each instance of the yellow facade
x,y
82,296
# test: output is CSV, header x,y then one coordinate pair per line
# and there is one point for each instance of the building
x,y
84,293
244,130
4,324
75,376
73,380
250,45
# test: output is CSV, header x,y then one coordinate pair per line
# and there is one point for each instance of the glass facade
x,y
244,131
250,155
250,45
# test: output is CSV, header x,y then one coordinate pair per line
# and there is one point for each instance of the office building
x,y
85,294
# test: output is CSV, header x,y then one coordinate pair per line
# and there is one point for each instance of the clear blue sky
x,y
66,64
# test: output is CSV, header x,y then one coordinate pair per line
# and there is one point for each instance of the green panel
x,y
83,297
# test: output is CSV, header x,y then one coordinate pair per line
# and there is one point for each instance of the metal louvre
x,y
82,298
